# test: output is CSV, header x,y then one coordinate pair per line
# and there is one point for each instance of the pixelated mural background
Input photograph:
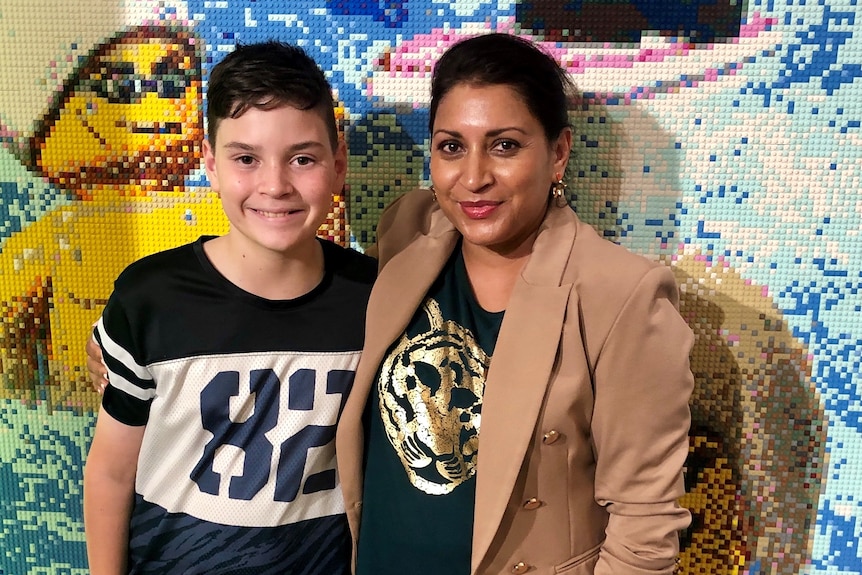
x,y
720,136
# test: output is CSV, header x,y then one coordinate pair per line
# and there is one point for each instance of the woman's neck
x,y
492,275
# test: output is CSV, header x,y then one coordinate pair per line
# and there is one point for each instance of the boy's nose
x,y
277,182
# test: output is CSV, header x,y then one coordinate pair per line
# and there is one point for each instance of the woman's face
x,y
492,166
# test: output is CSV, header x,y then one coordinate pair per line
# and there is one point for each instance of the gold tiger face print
x,y
430,391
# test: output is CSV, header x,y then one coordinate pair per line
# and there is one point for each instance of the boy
x,y
213,451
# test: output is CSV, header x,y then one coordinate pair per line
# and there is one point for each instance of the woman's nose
x,y
477,174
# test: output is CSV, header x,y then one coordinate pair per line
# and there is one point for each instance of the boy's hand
x,y
98,371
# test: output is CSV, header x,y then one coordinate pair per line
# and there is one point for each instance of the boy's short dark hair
x,y
268,75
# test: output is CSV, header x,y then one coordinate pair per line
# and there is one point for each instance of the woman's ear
x,y
562,147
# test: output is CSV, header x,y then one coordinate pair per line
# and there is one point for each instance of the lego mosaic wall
x,y
720,136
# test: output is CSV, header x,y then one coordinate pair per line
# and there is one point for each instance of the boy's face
x,y
275,171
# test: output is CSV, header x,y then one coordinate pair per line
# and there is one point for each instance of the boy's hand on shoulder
x,y
97,370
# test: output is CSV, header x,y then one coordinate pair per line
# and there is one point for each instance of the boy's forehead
x,y
310,117
306,126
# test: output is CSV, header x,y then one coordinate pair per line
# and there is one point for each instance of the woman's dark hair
x,y
503,59
268,75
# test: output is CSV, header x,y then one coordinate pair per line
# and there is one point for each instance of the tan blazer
x,y
585,414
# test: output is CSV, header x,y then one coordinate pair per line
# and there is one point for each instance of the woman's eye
x,y
449,147
507,145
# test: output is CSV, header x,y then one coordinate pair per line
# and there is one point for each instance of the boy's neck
x,y
266,274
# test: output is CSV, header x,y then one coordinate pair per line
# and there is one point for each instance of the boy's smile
x,y
275,171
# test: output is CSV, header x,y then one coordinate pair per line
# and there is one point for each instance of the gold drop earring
x,y
558,191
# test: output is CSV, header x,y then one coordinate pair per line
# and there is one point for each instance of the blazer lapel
x,y
519,374
397,294
403,283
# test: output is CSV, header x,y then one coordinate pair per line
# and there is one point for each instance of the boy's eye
x,y
245,160
303,160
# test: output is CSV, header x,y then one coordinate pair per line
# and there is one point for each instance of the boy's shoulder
x,y
154,266
348,263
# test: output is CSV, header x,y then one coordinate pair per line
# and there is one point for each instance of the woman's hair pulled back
x,y
504,59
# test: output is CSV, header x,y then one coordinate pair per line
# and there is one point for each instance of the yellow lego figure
x,y
757,443
120,139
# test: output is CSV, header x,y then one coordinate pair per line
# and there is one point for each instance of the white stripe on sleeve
x,y
119,353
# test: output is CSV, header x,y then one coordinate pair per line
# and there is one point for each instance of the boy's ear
x,y
210,165
341,159
341,156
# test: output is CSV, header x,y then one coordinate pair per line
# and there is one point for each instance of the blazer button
x,y
532,503
551,437
520,567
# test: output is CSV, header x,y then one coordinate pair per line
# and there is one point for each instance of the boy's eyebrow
x,y
244,147
239,146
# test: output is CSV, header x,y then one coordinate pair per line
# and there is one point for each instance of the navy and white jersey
x,y
240,397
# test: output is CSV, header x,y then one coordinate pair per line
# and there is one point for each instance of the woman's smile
x,y
479,210
492,166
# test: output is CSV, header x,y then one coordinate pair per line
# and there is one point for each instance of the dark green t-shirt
x,y
422,420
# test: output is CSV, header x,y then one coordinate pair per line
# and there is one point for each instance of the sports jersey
x,y
240,396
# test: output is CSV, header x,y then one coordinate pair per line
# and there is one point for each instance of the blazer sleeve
x,y
640,428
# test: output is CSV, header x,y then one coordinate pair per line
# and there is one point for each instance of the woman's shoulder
x,y
609,279
409,216
608,273
592,249
409,211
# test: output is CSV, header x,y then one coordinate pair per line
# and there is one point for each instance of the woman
x,y
563,453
